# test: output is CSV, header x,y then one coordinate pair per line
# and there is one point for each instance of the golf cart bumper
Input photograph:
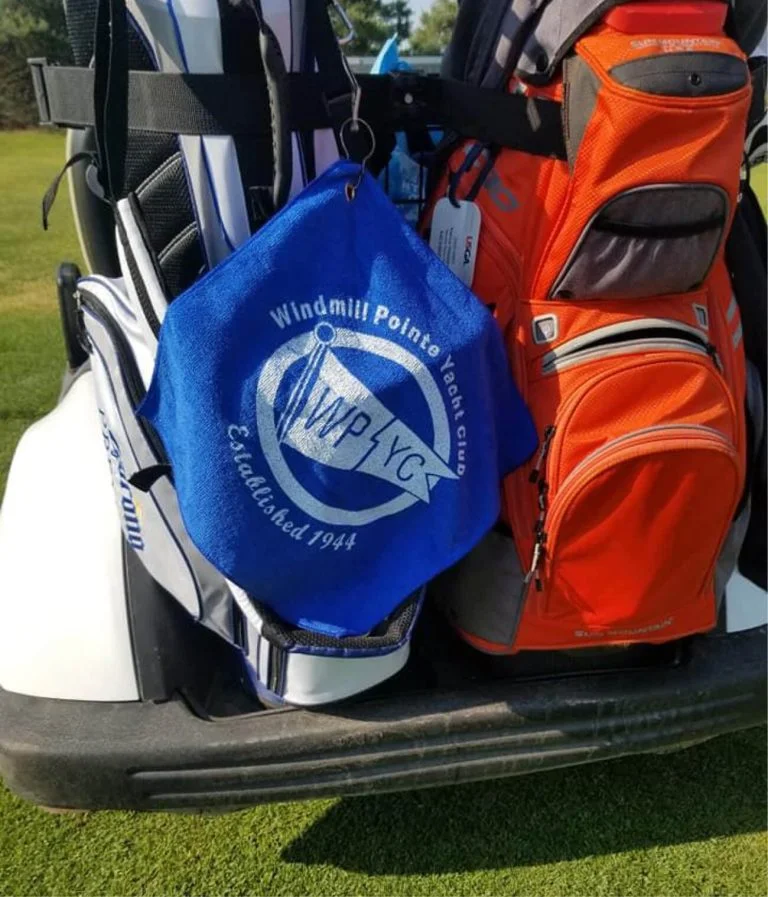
x,y
152,756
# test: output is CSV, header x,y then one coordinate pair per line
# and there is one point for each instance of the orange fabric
x,y
699,17
640,480
652,139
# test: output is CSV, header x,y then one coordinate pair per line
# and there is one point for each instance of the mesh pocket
x,y
655,140
650,241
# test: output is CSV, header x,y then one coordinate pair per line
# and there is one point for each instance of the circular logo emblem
x,y
332,406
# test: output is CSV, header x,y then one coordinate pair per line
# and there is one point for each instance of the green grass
x,y
759,181
31,351
686,823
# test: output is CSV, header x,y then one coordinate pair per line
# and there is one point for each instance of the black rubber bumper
x,y
161,756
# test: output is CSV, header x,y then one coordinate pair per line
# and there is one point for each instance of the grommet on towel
x,y
353,124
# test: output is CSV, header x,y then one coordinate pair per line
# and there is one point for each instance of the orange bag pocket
x,y
621,517
654,131
636,567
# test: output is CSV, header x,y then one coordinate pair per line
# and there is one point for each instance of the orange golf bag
x,y
605,270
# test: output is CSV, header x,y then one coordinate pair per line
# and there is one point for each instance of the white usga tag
x,y
454,236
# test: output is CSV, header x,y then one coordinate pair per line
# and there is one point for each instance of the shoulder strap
x,y
275,76
745,254
336,77
109,93
756,144
746,23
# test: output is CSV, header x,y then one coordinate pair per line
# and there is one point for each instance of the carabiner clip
x,y
346,21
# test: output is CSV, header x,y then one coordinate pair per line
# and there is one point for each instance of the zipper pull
x,y
538,552
534,562
549,432
713,354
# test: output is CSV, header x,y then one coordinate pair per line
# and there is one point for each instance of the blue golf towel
x,y
337,409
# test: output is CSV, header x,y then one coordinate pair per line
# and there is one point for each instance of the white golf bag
x,y
182,203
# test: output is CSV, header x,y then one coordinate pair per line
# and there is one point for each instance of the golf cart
x,y
117,692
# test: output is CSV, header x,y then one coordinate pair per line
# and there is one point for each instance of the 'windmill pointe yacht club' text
x,y
353,310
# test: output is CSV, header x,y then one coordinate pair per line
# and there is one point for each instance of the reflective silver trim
x,y
702,315
578,349
643,431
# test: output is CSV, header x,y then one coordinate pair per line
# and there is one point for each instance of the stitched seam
x,y
168,248
157,172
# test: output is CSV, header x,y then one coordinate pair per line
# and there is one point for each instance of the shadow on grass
x,y
713,790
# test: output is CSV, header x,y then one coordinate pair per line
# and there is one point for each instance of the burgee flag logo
x,y
338,411
314,403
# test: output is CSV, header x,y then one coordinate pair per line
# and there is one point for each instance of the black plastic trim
x,y
172,653
67,276
161,756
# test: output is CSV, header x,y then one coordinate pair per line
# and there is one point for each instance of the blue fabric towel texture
x,y
337,409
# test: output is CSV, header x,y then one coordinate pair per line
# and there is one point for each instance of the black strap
x,y
236,104
745,254
475,152
109,93
758,69
145,479
275,75
489,116
335,74
50,193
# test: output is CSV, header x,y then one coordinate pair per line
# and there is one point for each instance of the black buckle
x,y
36,66
411,92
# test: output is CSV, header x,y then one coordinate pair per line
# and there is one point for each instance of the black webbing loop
x,y
468,162
50,193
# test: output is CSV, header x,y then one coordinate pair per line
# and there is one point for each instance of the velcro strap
x,y
233,104
174,103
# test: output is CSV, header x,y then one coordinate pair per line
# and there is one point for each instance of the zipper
x,y
134,385
549,432
643,335
567,409
536,476
539,542
544,528
595,462
693,429
598,216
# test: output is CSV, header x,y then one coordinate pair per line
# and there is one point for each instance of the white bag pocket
x,y
150,517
